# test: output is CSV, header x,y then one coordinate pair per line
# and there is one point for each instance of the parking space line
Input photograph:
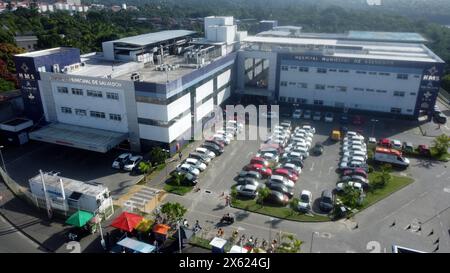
x,y
312,166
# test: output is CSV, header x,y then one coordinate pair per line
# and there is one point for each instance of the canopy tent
x,y
218,245
79,218
136,246
127,221
144,225
238,249
161,229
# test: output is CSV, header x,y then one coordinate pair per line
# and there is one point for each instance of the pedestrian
x,y
185,223
180,155
227,200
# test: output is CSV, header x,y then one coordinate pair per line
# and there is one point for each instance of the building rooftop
x,y
45,52
152,38
352,49
95,66
70,185
25,38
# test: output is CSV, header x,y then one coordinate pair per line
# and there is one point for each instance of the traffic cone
x,y
437,241
431,232
393,224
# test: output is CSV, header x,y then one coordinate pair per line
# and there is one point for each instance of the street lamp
x,y
373,126
270,229
179,235
3,161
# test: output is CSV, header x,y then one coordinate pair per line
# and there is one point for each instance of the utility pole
x,y
47,205
3,161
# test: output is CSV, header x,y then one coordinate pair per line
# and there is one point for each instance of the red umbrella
x,y
127,221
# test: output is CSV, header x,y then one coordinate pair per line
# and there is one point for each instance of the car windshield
x,y
304,198
326,199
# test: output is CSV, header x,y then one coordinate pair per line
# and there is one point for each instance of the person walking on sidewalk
x,y
180,155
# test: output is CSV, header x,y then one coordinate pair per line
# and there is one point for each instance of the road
x,y
13,241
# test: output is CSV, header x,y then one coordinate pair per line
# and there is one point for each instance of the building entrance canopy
x,y
79,137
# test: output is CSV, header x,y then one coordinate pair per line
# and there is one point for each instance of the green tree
x,y
383,177
351,197
441,144
178,178
289,244
158,156
293,204
145,168
173,212
263,193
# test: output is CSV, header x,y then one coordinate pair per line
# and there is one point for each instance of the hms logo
x,y
431,75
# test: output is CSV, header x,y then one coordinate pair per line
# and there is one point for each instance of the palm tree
x,y
441,144
145,168
289,243
173,212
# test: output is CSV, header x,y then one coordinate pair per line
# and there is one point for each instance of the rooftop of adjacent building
x,y
336,47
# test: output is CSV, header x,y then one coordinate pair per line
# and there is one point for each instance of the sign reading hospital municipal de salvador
x,y
98,82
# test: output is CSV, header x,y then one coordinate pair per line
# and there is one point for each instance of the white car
x,y
271,157
297,113
283,180
347,148
341,185
351,164
396,144
293,155
189,169
196,163
357,137
355,153
353,158
307,114
206,152
132,162
247,190
223,138
303,131
353,133
224,133
304,204
295,145
235,124
292,167
300,150
120,160
354,142
309,128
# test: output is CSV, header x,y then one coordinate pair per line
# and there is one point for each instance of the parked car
x,y
286,173
385,142
203,158
355,153
347,148
247,190
250,174
278,198
309,128
132,163
396,144
292,167
265,172
424,150
307,114
271,157
317,149
341,186
205,151
281,188
408,147
216,142
326,202
248,181
295,161
297,113
259,160
439,118
226,134
188,169
217,150
317,116
282,180
119,162
352,165
359,172
196,163
329,117
222,138
304,204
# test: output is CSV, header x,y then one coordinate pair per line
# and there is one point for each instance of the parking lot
x,y
25,162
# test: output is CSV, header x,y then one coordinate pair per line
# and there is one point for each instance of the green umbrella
x,y
79,218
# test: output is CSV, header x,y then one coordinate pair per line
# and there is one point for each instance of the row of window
x,y
325,70
94,114
89,93
337,104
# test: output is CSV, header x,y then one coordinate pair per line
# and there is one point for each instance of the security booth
x,y
218,245
15,131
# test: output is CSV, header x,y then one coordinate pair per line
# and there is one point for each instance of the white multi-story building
x,y
161,88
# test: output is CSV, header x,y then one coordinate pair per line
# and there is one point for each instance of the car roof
x,y
250,187
306,192
124,155
277,177
327,193
191,159
136,157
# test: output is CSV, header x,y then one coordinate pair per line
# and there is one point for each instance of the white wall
x,y
153,132
90,104
204,90
223,95
223,78
164,112
205,109
353,99
179,127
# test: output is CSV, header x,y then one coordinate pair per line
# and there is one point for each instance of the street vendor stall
x,y
127,221
237,249
135,246
161,232
218,245
82,225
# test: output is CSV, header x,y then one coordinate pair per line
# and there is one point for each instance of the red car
x,y
260,161
385,142
358,171
357,120
265,172
424,150
287,173
217,142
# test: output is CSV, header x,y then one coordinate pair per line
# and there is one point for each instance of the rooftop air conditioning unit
x,y
135,76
